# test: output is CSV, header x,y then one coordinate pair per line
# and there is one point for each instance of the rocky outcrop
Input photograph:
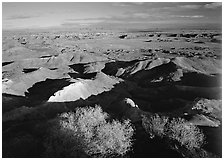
x,y
20,85
84,88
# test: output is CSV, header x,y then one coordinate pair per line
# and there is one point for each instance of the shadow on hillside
x,y
24,136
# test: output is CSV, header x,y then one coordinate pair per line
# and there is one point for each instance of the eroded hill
x,y
175,74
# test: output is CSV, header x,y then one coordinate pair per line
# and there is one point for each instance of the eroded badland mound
x,y
129,74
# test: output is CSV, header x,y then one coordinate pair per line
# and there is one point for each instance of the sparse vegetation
x,y
177,130
154,125
186,134
87,133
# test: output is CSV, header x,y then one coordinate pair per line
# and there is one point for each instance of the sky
x,y
28,15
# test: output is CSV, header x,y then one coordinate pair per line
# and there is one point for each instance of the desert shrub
x,y
184,133
176,131
154,125
112,139
87,133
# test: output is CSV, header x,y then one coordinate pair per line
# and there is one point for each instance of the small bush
x,y
87,132
177,130
185,133
154,125
111,139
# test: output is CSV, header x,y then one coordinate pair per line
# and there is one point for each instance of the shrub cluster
x,y
88,133
186,134
177,130
154,125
